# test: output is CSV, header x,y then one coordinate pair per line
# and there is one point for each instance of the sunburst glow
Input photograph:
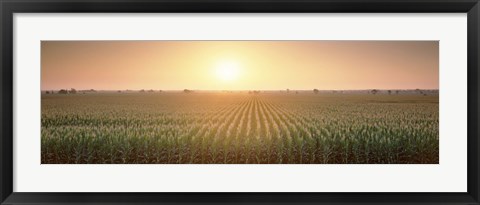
x,y
227,70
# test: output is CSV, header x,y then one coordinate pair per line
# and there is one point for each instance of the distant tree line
x,y
64,91
71,91
315,91
416,91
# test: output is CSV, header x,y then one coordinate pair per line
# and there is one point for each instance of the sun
x,y
227,70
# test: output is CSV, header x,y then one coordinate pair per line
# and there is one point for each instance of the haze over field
x,y
239,65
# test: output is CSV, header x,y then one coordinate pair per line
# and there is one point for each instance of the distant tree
x,y
73,91
119,91
288,90
187,91
397,91
151,91
315,91
374,91
142,90
62,91
389,92
48,92
296,92
92,90
421,92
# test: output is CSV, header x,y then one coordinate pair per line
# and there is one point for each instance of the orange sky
x,y
259,65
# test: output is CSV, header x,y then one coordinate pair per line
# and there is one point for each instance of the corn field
x,y
239,128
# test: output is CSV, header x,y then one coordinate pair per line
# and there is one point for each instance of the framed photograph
x,y
239,102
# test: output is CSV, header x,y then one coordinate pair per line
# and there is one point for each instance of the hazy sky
x,y
239,65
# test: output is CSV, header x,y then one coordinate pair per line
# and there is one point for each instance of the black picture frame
x,y
9,7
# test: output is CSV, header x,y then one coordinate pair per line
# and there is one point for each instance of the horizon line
x,y
242,89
